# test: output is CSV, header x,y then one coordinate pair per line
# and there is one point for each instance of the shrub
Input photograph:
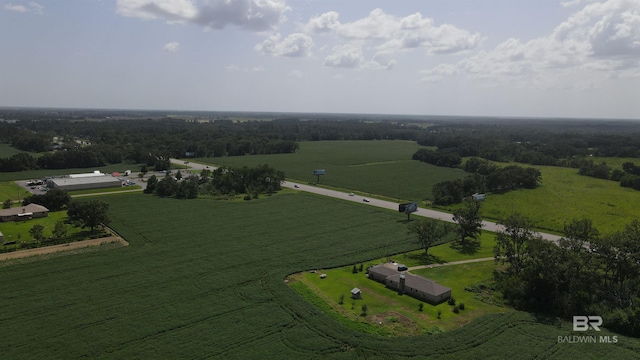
x,y
341,299
420,306
461,306
452,301
439,313
456,310
354,270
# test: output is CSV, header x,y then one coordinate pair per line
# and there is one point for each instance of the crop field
x,y
371,167
204,279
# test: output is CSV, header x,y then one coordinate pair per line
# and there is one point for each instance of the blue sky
x,y
536,58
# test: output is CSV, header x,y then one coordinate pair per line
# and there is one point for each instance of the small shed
x,y
356,293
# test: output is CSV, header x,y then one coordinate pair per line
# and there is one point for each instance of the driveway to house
x,y
433,214
450,263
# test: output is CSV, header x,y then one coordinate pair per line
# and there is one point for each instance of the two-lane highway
x,y
439,215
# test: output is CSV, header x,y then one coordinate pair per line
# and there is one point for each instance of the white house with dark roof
x,y
31,211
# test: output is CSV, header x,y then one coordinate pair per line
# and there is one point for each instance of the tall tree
x,y
512,242
428,232
469,221
89,214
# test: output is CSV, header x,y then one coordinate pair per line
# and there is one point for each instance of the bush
x,y
420,306
354,270
456,310
452,301
461,306
439,313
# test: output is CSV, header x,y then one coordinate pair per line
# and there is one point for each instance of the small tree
x,y
6,204
439,313
355,269
361,267
60,230
341,299
420,306
364,309
428,231
37,232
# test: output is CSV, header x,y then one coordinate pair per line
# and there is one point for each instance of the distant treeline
x,y
536,145
154,141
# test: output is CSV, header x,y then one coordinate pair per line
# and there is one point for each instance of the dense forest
x,y
90,138
585,273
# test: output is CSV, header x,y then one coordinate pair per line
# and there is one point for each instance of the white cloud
x,y
326,22
602,37
294,45
15,8
30,7
253,15
388,35
346,56
171,47
232,68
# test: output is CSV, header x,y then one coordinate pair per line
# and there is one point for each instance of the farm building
x,y
413,285
95,180
31,211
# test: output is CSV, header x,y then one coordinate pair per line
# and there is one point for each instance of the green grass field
x,y
6,150
390,313
11,190
564,195
204,279
19,230
370,167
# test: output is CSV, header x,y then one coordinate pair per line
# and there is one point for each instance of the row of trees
x,y
485,177
629,176
222,181
446,157
431,232
585,273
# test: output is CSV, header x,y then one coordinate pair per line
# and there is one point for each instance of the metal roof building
x,y
84,183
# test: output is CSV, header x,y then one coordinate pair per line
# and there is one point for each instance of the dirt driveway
x,y
62,247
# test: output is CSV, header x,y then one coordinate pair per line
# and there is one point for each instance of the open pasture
x,y
564,195
370,167
204,279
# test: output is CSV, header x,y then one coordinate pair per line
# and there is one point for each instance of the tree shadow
x,y
468,247
425,259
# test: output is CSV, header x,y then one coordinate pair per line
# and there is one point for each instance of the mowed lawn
x,y
205,279
370,167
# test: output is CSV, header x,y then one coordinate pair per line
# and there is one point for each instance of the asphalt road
x,y
439,215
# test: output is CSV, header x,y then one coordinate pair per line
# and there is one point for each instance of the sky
x,y
525,58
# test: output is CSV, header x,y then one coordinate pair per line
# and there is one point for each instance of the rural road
x,y
438,215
